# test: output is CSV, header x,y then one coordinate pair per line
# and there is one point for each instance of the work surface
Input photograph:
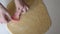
x,y
53,7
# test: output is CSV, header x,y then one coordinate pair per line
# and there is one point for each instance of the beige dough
x,y
35,21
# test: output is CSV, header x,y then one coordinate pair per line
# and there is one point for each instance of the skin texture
x,y
3,14
35,21
21,8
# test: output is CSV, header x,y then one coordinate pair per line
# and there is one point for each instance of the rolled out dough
x,y
35,21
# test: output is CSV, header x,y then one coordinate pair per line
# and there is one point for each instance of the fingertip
x,y
24,11
27,8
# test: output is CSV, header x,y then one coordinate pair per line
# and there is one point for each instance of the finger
x,y
27,8
24,10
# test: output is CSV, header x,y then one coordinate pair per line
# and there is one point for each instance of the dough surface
x,y
35,21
